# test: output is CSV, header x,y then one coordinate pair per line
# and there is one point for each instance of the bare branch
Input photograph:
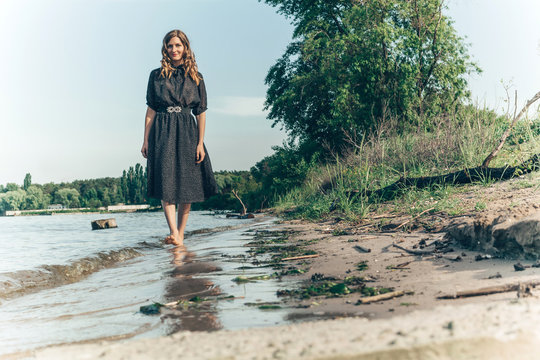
x,y
523,111
244,211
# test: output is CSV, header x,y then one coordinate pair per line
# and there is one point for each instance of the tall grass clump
x,y
438,146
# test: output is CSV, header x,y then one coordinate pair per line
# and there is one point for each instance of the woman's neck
x,y
177,63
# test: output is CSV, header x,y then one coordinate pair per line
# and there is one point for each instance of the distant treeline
x,y
130,188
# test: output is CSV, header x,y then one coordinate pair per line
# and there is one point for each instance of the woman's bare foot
x,y
174,239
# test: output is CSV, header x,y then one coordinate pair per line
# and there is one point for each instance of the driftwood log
x,y
490,290
465,176
386,296
361,249
244,209
414,252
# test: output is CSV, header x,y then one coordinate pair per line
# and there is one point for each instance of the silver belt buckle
x,y
172,109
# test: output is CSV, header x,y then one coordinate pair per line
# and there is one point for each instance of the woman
x,y
179,169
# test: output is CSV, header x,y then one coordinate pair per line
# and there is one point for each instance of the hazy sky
x,y
74,74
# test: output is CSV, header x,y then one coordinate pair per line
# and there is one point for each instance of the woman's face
x,y
175,49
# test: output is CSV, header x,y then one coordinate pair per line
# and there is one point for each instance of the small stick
x,y
361,249
368,238
417,216
300,257
381,297
488,290
413,252
400,266
383,216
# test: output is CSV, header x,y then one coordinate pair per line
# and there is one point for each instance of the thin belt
x,y
175,109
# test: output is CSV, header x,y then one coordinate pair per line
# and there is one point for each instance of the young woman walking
x,y
179,168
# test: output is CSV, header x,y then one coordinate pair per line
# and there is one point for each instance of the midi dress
x,y
173,174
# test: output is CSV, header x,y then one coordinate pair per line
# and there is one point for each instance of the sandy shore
x,y
424,278
414,326
494,330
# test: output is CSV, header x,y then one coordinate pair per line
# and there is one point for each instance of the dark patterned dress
x,y
173,175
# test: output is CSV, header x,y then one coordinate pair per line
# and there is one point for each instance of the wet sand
x,y
494,330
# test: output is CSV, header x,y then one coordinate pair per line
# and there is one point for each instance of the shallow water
x,y
101,278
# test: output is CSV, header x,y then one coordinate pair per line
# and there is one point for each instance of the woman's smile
x,y
175,49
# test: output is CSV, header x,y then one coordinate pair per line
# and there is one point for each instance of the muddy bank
x,y
507,234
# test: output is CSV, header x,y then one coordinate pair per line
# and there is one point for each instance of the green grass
x,y
338,189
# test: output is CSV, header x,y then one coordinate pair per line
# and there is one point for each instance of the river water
x,y
61,282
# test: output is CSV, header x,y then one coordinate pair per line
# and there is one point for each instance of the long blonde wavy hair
x,y
188,58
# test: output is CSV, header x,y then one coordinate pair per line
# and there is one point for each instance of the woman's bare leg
x,y
170,214
183,214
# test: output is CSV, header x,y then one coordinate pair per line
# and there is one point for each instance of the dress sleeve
x,y
151,92
199,109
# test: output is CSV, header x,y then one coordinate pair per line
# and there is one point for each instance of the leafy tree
x,y
12,187
104,196
124,187
12,200
139,186
89,198
243,182
131,185
35,198
286,168
353,63
50,188
27,181
68,197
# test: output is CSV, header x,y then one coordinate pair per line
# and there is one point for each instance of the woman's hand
x,y
144,149
200,153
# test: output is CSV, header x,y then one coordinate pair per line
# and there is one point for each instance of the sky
x,y
73,76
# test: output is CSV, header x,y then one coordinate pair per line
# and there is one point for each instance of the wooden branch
x,y
361,249
383,216
488,290
244,210
300,257
465,176
417,216
387,296
414,252
400,266
494,153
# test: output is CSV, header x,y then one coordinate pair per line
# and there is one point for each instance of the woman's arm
x,y
148,121
201,124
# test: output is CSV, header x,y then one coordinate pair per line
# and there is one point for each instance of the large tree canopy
x,y
354,63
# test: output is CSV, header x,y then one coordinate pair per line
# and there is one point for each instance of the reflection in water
x,y
193,316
